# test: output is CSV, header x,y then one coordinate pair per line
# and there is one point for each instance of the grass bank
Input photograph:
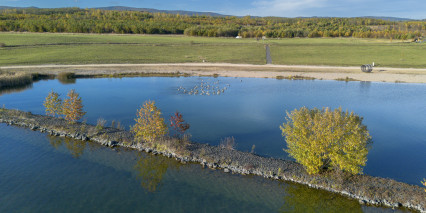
x,y
48,48
16,80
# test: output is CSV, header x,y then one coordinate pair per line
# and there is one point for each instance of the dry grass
x,y
294,77
14,79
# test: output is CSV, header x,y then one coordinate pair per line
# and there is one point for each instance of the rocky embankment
x,y
367,189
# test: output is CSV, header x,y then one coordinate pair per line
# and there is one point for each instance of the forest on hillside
x,y
76,20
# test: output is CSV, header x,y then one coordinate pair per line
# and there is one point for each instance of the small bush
x,y
320,139
178,123
252,148
228,143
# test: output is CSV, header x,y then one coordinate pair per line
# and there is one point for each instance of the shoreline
x,y
367,189
379,74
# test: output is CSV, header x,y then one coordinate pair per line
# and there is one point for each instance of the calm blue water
x,y
251,110
39,173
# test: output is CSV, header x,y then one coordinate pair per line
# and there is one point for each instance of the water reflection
x,y
365,86
16,89
305,199
76,147
151,170
56,142
66,81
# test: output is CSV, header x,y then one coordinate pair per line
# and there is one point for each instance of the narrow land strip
x,y
367,189
379,74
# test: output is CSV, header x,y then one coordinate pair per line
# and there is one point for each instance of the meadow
x,y
54,48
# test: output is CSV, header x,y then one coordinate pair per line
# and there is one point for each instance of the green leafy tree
x,y
53,104
149,123
322,139
72,108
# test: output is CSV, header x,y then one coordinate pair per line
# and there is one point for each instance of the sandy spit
x,y
379,74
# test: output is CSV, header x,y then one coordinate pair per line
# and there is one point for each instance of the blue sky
x,y
415,9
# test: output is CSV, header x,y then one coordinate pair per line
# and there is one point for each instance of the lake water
x,y
251,110
39,173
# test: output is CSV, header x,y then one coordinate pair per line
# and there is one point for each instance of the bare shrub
x,y
119,126
100,124
228,143
252,148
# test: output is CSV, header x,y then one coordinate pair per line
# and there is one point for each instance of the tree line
x,y
76,20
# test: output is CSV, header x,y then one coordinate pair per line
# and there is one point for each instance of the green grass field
x,y
349,52
36,48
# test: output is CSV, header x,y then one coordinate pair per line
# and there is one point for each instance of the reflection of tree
x,y
304,199
67,80
56,142
151,170
76,147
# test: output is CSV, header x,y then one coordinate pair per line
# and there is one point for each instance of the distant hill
x,y
7,7
181,12
388,18
191,13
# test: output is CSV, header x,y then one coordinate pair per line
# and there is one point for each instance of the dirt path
x,y
268,55
379,74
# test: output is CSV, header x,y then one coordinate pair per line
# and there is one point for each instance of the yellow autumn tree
x,y
72,108
53,104
149,123
424,183
322,139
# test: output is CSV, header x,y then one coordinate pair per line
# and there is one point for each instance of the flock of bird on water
x,y
205,88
